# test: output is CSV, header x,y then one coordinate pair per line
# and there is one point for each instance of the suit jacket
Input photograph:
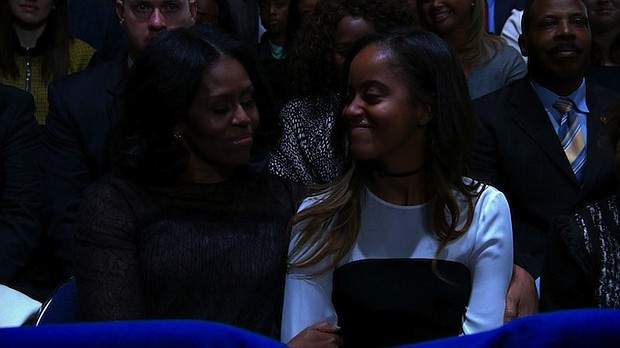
x,y
503,10
95,22
519,152
19,182
83,108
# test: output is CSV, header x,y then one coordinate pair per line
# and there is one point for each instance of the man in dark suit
x,y
524,143
83,108
20,195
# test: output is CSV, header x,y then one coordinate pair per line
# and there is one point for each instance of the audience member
x,y
405,247
37,48
214,12
307,152
488,62
582,268
605,23
19,186
83,108
280,19
95,22
306,9
525,146
191,230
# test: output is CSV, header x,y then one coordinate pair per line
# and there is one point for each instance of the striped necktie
x,y
571,136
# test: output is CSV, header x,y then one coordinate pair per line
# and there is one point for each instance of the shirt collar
x,y
548,97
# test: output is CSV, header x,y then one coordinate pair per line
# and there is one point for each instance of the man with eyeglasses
x,y
83,110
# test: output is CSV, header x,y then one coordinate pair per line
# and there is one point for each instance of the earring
x,y
473,4
177,135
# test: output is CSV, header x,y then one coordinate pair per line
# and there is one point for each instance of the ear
x,y
120,11
193,9
425,113
523,44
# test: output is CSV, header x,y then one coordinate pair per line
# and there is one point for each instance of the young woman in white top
x,y
405,247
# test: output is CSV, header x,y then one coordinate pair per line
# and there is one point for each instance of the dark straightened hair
x,y
160,89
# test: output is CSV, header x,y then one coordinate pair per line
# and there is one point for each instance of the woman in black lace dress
x,y
582,269
186,228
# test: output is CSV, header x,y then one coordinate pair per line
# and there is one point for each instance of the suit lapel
x,y
530,115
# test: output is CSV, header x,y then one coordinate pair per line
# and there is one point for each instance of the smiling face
x,y
604,15
144,19
31,13
220,124
446,16
385,122
557,41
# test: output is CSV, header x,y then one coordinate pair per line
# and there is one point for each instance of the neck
x,y
561,87
28,36
405,188
277,39
387,174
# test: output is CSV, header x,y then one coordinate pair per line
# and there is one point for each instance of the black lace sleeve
x,y
106,256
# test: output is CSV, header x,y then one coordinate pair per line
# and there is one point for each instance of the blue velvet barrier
x,y
571,328
152,334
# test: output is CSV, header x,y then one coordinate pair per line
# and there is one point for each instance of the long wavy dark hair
x,y
434,75
53,44
310,57
160,89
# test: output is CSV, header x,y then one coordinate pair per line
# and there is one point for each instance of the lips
x,y
438,16
565,50
242,140
29,8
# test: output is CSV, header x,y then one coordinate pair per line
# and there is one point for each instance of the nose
x,y
352,109
241,116
272,9
157,21
566,29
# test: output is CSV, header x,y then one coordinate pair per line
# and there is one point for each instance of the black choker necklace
x,y
385,174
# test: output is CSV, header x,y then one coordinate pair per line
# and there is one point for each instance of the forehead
x,y
351,28
373,59
544,8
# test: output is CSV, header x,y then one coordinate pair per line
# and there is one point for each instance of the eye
x,y
172,7
547,23
248,103
142,7
220,109
581,22
371,98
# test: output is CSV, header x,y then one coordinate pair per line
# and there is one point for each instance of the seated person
x,y
405,247
582,268
184,227
19,188
488,62
37,48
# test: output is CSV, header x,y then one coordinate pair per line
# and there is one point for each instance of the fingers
x,y
320,335
326,327
522,298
